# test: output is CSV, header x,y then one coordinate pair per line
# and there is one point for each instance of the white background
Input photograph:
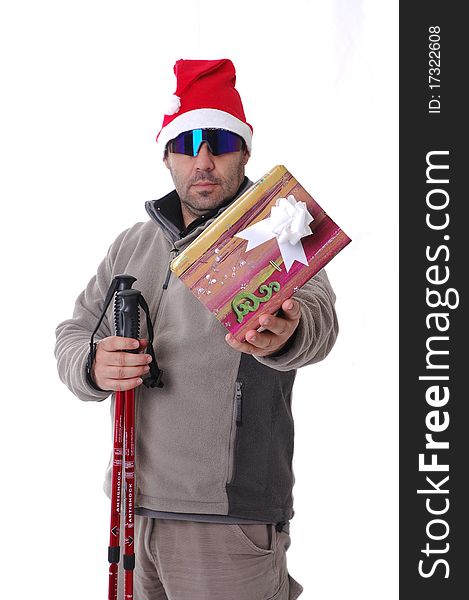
x,y
84,86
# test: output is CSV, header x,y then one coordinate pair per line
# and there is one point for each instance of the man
x,y
214,446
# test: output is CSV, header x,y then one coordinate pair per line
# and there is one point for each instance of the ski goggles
x,y
220,141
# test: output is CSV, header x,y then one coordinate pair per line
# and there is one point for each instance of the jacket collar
x,y
166,212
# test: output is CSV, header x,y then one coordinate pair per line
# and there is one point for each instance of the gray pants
x,y
186,560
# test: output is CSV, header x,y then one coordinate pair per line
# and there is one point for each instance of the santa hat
x,y
205,97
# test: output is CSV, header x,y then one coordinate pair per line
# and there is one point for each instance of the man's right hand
x,y
116,370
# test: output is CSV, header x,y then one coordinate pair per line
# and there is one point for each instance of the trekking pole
x,y
127,325
116,489
126,321
120,284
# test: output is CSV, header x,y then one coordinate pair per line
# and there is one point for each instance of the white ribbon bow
x,y
288,222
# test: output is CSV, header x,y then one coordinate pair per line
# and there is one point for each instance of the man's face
x,y
205,181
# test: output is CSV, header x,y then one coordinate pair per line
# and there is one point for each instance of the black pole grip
x,y
124,282
126,313
119,283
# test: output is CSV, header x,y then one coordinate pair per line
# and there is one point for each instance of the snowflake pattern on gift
x,y
217,259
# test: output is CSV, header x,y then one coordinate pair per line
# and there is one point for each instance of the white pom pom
x,y
174,105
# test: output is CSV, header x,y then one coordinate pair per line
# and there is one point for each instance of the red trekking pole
x,y
126,318
126,321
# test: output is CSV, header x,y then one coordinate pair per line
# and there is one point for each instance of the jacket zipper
x,y
239,404
168,274
236,422
157,315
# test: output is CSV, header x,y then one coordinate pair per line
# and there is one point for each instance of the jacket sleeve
x,y
317,330
73,335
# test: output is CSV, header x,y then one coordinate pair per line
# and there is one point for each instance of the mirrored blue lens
x,y
220,141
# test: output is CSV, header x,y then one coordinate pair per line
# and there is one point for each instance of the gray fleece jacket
x,y
217,439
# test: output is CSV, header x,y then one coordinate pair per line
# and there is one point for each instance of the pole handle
x,y
119,283
127,314
124,282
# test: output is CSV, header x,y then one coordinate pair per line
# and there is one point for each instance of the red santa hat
x,y
205,97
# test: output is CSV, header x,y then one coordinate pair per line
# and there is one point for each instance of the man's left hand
x,y
279,330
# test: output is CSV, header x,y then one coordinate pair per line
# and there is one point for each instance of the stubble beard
x,y
200,202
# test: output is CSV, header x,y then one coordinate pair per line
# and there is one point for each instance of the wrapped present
x,y
259,251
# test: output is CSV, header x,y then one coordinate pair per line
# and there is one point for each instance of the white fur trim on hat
x,y
205,118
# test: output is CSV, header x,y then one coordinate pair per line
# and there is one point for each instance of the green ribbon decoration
x,y
245,302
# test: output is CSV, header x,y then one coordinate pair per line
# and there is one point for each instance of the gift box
x,y
259,251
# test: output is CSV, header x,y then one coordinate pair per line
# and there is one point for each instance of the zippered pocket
x,y
236,422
